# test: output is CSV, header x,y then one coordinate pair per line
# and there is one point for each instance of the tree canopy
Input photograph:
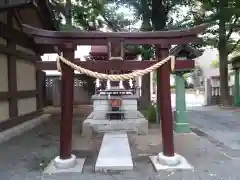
x,y
89,15
223,17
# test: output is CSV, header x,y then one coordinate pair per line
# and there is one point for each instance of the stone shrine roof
x,y
103,50
193,52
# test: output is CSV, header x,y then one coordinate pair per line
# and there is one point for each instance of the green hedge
x,y
150,114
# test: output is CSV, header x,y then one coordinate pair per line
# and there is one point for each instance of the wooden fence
x,y
53,92
215,96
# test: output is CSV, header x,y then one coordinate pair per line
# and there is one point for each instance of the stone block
x,y
142,127
87,129
51,169
129,101
100,107
21,128
177,162
100,125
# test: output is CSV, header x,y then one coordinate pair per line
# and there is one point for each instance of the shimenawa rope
x,y
115,77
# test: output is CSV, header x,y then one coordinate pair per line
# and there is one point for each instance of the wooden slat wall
x,y
19,98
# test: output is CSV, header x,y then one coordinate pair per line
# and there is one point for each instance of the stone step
x,y
114,154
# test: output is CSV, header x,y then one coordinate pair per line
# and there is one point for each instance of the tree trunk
x,y
145,99
68,7
159,15
223,57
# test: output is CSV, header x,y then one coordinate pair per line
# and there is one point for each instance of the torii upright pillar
x,y
66,159
167,159
164,97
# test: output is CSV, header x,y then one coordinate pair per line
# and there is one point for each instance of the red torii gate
x,y
67,42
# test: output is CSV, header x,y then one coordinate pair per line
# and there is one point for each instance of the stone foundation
x,y
97,123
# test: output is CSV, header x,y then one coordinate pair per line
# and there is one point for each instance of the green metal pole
x,y
236,88
181,121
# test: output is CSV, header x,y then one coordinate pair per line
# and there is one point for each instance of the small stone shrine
x,y
115,105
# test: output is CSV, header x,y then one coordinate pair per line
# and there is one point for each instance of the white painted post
x,y
151,85
130,83
108,84
121,84
97,83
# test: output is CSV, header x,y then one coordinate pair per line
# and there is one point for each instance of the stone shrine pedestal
x,y
97,122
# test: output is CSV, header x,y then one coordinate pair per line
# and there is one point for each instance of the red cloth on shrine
x,y
115,102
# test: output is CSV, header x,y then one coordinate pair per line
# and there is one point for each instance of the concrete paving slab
x,y
114,154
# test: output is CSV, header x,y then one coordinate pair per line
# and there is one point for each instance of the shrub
x,y
151,114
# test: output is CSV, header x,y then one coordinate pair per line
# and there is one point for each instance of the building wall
x,y
19,100
4,105
26,81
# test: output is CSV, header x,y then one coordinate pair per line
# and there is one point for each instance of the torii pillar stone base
x,y
176,162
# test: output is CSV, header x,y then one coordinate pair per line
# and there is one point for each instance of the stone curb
x,y
26,126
